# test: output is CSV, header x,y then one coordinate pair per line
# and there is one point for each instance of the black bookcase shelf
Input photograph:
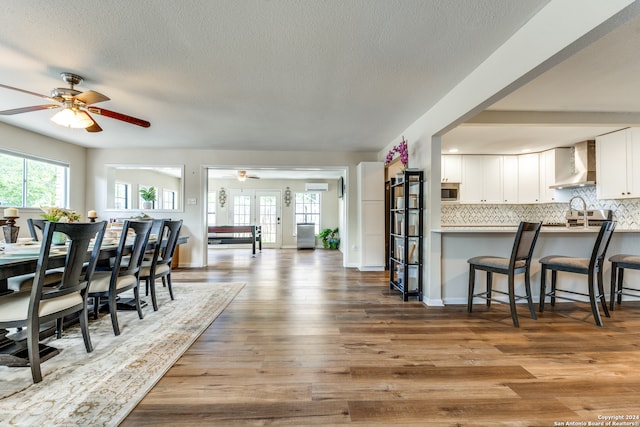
x,y
406,213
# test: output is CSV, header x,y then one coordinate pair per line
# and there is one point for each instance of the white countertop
x,y
513,229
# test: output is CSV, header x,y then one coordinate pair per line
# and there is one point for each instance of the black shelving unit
x,y
406,233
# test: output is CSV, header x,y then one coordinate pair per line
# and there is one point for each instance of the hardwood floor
x,y
307,342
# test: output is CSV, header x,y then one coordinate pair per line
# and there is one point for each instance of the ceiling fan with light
x,y
242,176
76,106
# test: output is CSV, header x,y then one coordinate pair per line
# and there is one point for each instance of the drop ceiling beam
x,y
559,118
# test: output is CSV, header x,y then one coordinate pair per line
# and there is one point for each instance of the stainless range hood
x,y
583,167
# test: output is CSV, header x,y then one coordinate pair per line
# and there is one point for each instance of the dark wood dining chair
x,y
619,263
124,274
592,267
45,304
518,263
36,226
159,267
25,282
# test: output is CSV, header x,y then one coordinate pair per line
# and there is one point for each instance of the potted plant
x,y
149,196
329,237
55,214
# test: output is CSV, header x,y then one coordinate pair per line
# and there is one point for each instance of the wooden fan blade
x,y
95,127
91,97
119,116
28,109
29,93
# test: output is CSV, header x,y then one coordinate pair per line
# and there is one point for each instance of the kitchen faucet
x,y
584,209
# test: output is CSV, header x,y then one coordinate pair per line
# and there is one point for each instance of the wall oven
x,y
449,192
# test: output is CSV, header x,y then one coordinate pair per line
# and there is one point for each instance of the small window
x,y
168,199
122,195
307,209
211,208
31,182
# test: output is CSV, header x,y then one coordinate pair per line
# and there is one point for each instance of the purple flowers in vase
x,y
401,149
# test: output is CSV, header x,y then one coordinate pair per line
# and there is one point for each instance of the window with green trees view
x,y
30,182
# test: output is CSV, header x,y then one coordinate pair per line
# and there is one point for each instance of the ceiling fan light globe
x,y
72,118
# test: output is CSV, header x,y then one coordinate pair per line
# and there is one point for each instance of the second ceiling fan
x,y
75,105
243,175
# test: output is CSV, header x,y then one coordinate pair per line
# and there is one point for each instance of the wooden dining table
x,y
13,351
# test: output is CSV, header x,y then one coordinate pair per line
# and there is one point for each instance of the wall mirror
x,y
162,187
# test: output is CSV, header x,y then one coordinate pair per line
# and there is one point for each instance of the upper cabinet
x,y
451,165
482,179
513,179
618,160
528,178
555,167
510,179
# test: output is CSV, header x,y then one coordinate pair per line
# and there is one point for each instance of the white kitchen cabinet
x,y
618,160
481,179
451,168
529,178
510,179
555,167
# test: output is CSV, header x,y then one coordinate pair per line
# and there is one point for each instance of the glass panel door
x,y
269,217
259,207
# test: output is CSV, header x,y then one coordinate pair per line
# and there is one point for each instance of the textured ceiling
x,y
249,74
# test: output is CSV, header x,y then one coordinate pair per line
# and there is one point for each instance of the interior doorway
x,y
266,196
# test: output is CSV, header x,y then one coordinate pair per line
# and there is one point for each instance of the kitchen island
x,y
449,285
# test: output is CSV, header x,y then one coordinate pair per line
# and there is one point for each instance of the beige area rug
x,y
102,387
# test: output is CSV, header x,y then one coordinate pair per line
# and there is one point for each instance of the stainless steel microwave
x,y
449,192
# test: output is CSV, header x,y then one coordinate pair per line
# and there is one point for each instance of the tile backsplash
x,y
626,212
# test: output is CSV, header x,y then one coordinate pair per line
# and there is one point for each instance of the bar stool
x,y
518,263
618,264
592,267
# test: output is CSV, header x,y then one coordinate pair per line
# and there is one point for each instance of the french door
x,y
259,207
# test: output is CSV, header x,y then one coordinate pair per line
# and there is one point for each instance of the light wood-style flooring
x,y
309,343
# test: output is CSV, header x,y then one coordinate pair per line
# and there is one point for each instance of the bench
x,y
235,234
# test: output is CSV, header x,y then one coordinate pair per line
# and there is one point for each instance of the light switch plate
x,y
192,201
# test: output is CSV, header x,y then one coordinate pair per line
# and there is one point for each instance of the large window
x,y
307,209
30,182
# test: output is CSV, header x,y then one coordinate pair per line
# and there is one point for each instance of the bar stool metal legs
x,y
518,263
618,264
591,267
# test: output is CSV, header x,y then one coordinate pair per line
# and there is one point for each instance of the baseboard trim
x,y
373,268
